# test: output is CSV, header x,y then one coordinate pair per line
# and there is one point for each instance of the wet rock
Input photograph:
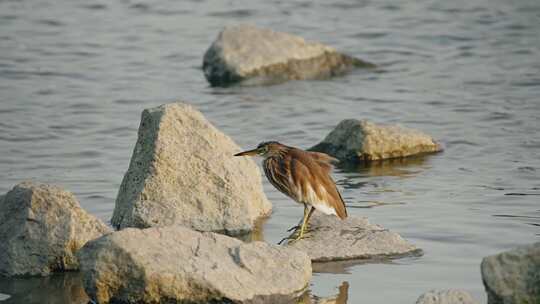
x,y
340,298
362,140
513,276
183,172
449,296
177,264
41,228
332,239
246,52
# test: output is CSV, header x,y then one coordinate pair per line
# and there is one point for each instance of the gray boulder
x,y
448,296
179,265
183,172
513,276
246,52
361,140
332,239
41,228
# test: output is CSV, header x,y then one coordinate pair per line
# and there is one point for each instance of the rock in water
x,y
332,239
41,228
513,276
449,296
245,51
183,172
361,140
179,265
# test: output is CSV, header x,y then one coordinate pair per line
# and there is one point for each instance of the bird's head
x,y
265,149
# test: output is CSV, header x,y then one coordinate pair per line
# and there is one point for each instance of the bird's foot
x,y
294,237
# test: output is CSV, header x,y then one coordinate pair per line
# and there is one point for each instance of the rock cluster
x,y
179,265
332,239
246,52
513,276
362,140
41,228
183,172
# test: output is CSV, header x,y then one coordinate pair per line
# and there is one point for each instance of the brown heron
x,y
302,175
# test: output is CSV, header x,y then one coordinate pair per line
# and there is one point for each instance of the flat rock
x,y
183,172
179,265
247,52
362,140
41,228
332,239
513,276
447,296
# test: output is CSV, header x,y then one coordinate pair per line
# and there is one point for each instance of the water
x,y
75,76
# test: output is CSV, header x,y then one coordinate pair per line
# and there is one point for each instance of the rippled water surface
x,y
75,76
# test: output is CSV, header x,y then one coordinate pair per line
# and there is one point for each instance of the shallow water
x,y
75,76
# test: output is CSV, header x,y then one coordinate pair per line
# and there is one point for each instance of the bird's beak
x,y
247,153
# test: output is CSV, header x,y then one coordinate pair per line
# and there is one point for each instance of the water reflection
x,y
401,167
340,298
61,288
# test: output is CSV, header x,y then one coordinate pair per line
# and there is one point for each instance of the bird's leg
x,y
305,222
295,228
301,226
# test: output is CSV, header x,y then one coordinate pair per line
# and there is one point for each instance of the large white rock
x,y
183,172
448,296
177,265
362,140
41,228
332,239
513,277
245,51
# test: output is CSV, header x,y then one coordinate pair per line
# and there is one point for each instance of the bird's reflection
x,y
58,288
340,298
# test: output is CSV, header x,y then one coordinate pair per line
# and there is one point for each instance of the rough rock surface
x,y
513,276
183,172
177,264
245,51
448,296
361,140
332,239
41,228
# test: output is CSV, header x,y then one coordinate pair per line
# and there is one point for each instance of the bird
x,y
304,176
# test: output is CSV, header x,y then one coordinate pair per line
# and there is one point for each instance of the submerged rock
x,y
41,228
448,296
362,140
332,239
183,172
513,276
178,265
244,51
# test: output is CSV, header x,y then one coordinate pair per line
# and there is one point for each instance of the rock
x,y
244,51
449,296
332,239
41,228
4,297
513,276
183,172
179,265
361,140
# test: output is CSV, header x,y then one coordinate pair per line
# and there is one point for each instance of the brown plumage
x,y
302,175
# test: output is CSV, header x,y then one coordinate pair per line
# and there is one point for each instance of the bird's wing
x,y
313,182
324,160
